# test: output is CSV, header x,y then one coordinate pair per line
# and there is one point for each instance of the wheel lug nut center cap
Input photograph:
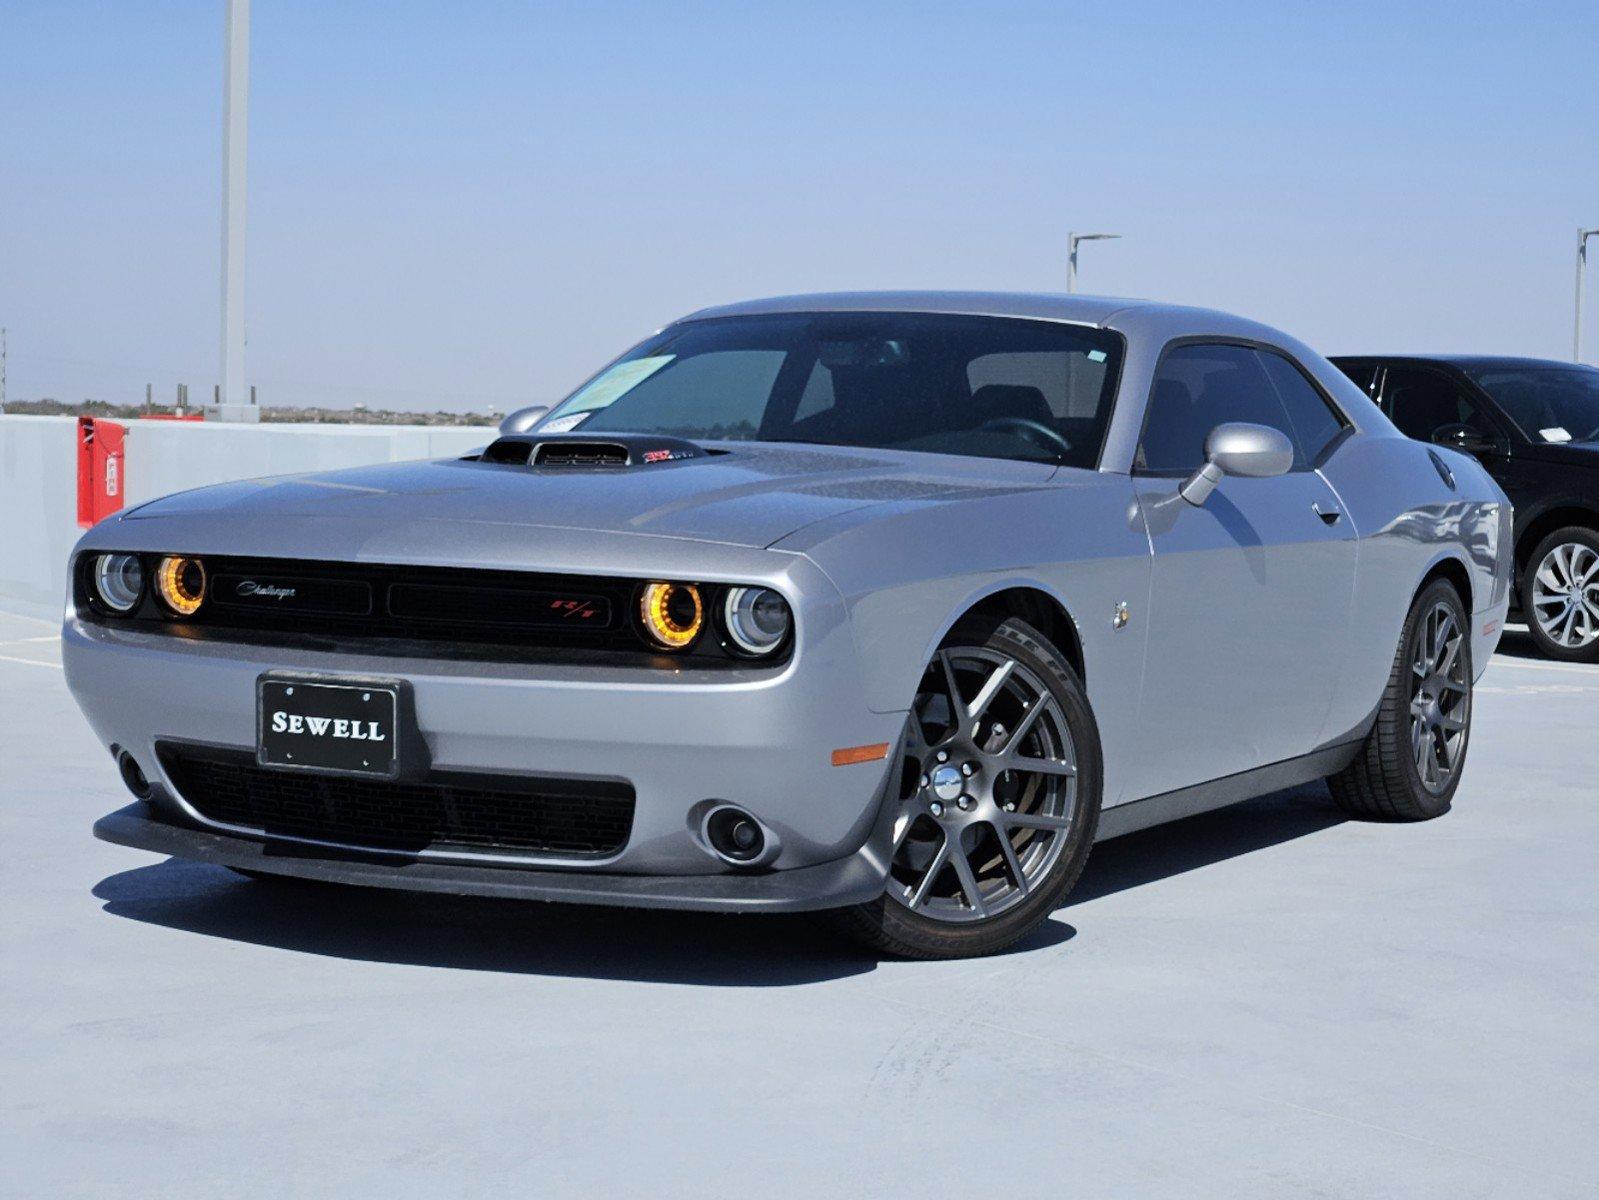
x,y
947,782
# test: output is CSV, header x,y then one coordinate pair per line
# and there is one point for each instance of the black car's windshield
x,y
1550,404
995,387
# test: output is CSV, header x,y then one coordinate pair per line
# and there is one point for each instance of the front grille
x,y
459,810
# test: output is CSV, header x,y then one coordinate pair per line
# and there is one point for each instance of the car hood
x,y
1575,454
744,495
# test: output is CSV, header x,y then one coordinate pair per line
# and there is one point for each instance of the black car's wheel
x,y
1410,766
999,799
1560,594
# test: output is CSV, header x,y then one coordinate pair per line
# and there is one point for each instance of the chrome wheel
x,y
1440,698
990,790
1565,595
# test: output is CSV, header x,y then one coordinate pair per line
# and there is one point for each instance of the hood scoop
x,y
579,453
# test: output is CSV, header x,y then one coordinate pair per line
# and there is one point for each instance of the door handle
x,y
1329,516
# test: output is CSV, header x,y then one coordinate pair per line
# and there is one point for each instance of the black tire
x,y
1385,781
888,926
1570,536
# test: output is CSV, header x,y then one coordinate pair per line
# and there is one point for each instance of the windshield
x,y
994,387
1550,404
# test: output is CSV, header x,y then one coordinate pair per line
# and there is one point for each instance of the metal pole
x,y
1582,261
235,123
2,370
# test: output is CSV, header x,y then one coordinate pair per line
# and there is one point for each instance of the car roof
x,y
1053,306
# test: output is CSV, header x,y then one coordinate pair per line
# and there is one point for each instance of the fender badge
x,y
1121,617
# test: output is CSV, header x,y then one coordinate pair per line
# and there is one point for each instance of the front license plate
x,y
320,726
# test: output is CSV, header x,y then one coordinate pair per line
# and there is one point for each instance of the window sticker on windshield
x,y
610,387
563,424
1096,356
1554,434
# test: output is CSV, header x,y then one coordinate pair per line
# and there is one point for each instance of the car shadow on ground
x,y
707,949
1137,859
1516,642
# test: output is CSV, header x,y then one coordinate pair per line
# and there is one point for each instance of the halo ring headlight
x,y
672,614
118,581
180,582
758,620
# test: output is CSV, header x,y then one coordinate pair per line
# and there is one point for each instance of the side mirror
x,y
1463,437
523,419
1236,448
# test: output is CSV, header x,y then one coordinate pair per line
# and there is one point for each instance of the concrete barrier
x,y
38,476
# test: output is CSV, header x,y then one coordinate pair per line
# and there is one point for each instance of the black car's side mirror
x,y
1464,437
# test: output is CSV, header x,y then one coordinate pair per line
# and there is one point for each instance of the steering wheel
x,y
1033,431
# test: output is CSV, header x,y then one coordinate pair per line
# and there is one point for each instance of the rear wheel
x,y
1410,765
1560,595
999,799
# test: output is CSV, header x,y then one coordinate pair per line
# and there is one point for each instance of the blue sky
x,y
469,204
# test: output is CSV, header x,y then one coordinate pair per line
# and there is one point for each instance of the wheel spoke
x,y
1025,727
952,688
1565,629
925,885
902,833
1049,821
968,879
1012,863
1041,766
985,696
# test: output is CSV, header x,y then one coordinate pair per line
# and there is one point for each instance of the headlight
x,y
672,614
118,581
180,582
757,619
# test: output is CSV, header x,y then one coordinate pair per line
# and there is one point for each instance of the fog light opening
x,y
133,775
734,835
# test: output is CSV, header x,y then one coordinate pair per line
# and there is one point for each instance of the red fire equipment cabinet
x,y
101,479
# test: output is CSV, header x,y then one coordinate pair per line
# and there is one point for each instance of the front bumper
x,y
855,879
758,738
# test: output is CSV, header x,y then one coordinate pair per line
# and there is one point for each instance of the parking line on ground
x,y
32,662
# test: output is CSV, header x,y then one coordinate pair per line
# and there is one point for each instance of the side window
x,y
1421,402
1315,422
1197,388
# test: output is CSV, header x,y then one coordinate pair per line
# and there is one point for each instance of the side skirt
x,y
1219,793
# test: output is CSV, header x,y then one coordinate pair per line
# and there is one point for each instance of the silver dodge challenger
x,y
885,606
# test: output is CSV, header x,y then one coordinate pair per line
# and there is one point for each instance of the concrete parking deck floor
x,y
1268,1001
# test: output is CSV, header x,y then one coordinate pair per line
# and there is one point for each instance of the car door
x,y
1251,590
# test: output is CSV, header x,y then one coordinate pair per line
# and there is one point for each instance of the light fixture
x,y
180,582
672,614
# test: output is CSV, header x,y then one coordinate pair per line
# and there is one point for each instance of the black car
x,y
1534,424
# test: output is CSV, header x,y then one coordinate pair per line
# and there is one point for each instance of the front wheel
x,y
999,799
1560,595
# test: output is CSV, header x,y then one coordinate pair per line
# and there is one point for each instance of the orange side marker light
x,y
860,754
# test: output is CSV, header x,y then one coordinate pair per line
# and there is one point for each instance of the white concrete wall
x,y
39,476
38,507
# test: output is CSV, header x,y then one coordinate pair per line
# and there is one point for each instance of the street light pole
x,y
234,398
1582,261
1071,253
